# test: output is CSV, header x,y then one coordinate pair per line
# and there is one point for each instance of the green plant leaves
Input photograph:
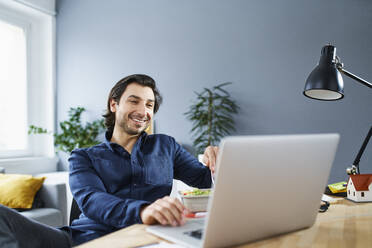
x,y
212,116
73,133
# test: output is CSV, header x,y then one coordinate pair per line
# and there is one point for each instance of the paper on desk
x,y
330,198
162,245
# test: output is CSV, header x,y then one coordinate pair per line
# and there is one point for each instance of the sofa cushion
x,y
18,191
49,216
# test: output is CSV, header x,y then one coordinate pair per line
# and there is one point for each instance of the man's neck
x,y
124,139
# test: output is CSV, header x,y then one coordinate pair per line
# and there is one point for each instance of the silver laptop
x,y
265,186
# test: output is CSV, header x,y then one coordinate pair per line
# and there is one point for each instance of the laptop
x,y
264,186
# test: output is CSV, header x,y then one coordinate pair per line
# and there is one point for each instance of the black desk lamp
x,y
325,83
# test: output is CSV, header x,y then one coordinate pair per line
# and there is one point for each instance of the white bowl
x,y
195,203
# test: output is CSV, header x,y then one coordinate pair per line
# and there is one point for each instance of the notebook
x,y
264,186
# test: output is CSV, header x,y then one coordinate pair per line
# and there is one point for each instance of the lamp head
x,y
325,81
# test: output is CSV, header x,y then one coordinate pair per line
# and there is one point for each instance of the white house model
x,y
359,188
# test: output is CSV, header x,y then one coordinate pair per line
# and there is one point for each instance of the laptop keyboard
x,y
195,234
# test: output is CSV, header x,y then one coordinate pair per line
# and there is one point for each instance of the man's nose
x,y
141,109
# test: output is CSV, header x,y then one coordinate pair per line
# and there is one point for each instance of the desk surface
x,y
345,224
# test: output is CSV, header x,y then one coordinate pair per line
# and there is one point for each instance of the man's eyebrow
x,y
139,98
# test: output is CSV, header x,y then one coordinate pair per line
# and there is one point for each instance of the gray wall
x,y
266,48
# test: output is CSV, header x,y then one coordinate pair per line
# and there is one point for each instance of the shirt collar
x,y
111,145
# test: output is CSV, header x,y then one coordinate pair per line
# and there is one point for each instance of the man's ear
x,y
113,105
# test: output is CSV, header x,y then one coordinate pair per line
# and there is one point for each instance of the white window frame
x,y
39,27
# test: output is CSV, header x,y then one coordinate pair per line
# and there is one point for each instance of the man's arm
x,y
189,170
93,199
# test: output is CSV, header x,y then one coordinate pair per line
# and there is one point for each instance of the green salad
x,y
195,192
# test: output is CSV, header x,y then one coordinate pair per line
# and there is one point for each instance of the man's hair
x,y
118,90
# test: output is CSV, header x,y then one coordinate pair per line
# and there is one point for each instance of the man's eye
x,y
149,105
132,101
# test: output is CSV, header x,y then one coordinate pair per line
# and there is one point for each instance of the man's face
x,y
135,109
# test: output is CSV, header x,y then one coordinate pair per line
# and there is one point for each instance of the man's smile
x,y
138,120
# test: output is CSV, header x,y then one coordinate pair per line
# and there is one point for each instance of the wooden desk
x,y
345,224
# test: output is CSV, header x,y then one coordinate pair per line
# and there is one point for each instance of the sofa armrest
x,y
53,195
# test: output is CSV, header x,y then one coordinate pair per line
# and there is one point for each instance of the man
x,y
128,178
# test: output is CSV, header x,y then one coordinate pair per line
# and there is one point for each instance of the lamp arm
x,y
364,145
359,79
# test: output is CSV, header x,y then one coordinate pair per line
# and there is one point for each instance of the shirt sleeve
x,y
189,170
94,201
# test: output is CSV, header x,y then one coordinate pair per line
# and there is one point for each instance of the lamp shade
x,y
325,81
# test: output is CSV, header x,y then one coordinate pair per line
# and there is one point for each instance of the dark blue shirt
x,y
110,185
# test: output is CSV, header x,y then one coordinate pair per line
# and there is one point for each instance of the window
x,y
13,89
27,81
362,194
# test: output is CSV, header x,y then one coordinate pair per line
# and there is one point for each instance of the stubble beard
x,y
132,131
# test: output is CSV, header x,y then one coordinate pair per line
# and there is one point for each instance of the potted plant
x,y
73,133
212,116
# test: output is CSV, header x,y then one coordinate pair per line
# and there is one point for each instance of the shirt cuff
x,y
138,213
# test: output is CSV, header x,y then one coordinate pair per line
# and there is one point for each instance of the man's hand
x,y
166,211
210,157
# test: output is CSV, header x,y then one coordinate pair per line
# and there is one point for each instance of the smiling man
x,y
128,178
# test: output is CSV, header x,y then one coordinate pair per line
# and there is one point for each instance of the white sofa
x,y
54,200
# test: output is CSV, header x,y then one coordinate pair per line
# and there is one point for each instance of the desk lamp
x,y
325,83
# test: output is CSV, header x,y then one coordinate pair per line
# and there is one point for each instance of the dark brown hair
x,y
118,90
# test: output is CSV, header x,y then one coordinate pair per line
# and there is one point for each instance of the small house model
x,y
359,188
